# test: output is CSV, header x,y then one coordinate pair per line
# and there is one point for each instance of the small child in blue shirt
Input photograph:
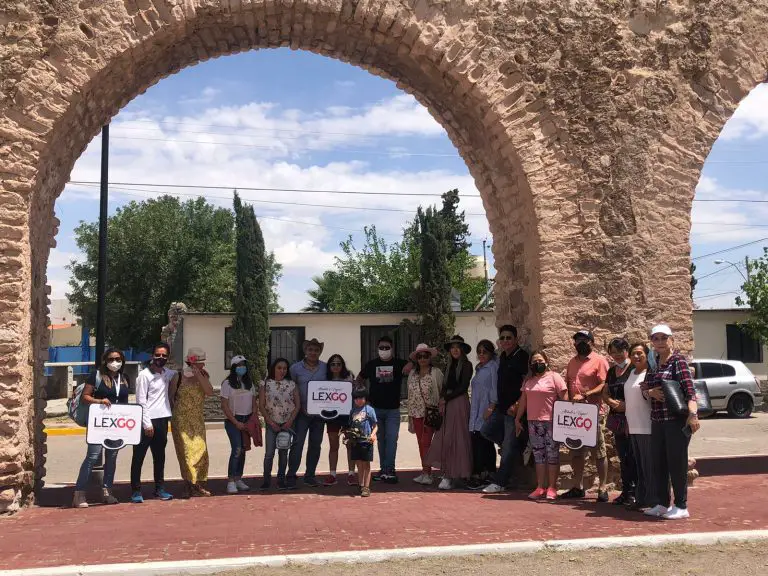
x,y
363,425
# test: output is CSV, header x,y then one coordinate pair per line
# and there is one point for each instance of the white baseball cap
x,y
239,359
661,329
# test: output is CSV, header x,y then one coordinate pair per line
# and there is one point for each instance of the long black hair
x,y
345,372
234,379
275,362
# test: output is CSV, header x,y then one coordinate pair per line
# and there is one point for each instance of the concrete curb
x,y
200,567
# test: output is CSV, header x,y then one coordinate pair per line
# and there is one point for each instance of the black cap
x,y
584,334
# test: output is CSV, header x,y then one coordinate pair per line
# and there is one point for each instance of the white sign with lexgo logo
x,y
114,427
575,424
329,399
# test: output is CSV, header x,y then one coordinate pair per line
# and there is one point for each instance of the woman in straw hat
x,y
424,384
451,449
188,394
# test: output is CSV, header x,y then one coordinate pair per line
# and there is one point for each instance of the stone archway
x,y
584,126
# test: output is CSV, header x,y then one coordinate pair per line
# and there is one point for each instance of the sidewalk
x,y
324,520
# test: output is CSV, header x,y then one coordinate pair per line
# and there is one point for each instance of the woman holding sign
x,y
337,370
188,395
540,390
106,386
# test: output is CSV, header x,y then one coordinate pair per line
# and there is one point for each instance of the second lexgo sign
x,y
575,424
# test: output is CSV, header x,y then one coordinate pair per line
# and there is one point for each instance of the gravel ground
x,y
744,559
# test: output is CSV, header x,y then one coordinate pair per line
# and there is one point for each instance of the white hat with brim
x,y
423,348
195,355
661,329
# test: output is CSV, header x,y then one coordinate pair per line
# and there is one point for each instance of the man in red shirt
x,y
585,378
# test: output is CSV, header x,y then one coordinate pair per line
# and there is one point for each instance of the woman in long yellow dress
x,y
188,393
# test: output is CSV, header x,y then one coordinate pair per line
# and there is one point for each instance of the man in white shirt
x,y
152,394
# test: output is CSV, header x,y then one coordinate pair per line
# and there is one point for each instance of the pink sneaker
x,y
330,481
551,494
536,494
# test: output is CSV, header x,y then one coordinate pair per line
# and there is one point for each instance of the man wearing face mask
x,y
152,394
585,377
385,376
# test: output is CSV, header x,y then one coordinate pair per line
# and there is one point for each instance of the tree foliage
x,y
377,276
694,281
756,290
159,251
250,325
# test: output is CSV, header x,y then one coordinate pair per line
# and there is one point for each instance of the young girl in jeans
x,y
280,402
240,404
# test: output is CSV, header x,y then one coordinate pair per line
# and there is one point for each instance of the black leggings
x,y
483,455
157,445
670,461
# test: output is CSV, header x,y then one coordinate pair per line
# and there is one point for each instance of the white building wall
x,y
340,332
710,337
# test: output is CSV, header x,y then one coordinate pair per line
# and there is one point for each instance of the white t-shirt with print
x,y
240,399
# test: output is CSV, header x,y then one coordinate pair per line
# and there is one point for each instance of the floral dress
x,y
421,388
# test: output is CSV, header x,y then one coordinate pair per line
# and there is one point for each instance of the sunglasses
x,y
506,338
482,351
423,356
659,338
383,348
335,364
161,355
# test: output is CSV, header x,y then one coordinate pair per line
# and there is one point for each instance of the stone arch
x,y
576,121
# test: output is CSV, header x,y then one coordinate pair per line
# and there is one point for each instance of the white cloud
x,y
206,96
727,221
750,120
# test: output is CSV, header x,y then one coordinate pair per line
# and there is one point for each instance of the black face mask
x,y
159,362
539,367
583,348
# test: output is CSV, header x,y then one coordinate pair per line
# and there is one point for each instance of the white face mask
x,y
623,364
385,354
115,365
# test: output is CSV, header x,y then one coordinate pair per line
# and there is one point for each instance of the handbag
x,y
617,423
673,397
432,416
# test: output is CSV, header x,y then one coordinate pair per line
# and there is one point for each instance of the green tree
x,y
250,325
275,272
693,278
756,290
323,295
457,229
436,318
159,251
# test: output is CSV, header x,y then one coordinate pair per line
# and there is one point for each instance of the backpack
x,y
76,408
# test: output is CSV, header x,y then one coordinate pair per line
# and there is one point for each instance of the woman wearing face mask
x,y
337,370
106,386
638,412
670,433
613,396
239,401
188,422
540,391
451,449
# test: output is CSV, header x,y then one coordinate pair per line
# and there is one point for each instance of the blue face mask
x,y
241,370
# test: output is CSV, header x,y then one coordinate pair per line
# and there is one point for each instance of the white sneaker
x,y
242,486
419,479
675,513
492,489
657,511
427,480
231,488
445,484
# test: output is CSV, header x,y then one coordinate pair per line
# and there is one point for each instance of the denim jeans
x,y
500,429
388,420
493,428
304,426
269,456
237,454
92,457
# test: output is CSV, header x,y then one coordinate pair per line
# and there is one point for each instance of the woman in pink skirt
x,y
451,449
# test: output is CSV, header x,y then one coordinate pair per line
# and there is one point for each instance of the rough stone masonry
x,y
584,123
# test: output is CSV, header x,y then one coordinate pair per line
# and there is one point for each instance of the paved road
x,y
719,436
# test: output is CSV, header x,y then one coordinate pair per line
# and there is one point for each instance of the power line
x,y
253,189
239,145
732,248
742,200
715,295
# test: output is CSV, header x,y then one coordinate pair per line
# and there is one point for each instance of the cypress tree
x,y
250,326
436,318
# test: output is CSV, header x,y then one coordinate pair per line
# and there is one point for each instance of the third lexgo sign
x,y
575,424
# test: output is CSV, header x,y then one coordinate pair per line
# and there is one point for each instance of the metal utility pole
x,y
103,216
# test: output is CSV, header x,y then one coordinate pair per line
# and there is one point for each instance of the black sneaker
x,y
620,499
281,485
573,493
265,485
476,484
378,477
390,479
602,496
311,482
290,484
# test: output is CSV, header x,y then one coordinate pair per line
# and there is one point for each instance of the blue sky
x,y
283,119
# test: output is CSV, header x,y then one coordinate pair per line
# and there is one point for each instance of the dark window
x,y
728,370
404,337
741,346
710,370
283,343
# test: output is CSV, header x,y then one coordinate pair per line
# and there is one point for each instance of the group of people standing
x,y
459,418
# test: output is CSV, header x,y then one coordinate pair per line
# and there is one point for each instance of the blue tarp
x,y
80,354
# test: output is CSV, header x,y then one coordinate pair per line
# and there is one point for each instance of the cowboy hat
x,y
423,348
313,342
466,348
